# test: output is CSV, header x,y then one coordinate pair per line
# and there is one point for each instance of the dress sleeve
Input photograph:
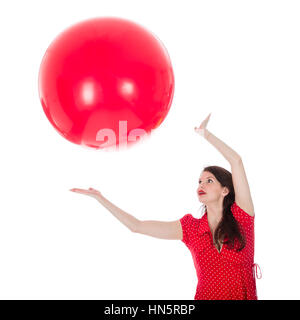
x,y
186,225
240,215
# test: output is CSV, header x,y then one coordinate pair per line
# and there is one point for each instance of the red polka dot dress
x,y
224,275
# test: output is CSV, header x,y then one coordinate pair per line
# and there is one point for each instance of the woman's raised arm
x,y
229,154
241,187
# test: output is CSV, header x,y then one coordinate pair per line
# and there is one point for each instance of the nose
x,y
201,185
201,188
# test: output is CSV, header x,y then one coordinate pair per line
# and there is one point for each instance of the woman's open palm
x,y
203,124
89,192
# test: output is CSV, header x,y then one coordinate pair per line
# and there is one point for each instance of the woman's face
x,y
212,188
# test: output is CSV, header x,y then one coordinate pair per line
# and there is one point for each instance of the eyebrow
x,y
207,177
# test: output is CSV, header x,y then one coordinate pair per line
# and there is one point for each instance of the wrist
x,y
203,133
206,133
98,197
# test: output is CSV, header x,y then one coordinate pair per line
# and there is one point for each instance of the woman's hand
x,y
89,192
127,219
202,128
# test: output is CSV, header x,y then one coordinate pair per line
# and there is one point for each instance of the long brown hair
x,y
228,228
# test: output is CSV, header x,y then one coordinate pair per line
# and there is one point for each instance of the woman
x,y
222,240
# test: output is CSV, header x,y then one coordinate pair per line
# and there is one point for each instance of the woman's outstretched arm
x,y
240,182
158,229
170,230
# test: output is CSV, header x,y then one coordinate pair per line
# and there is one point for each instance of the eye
x,y
207,180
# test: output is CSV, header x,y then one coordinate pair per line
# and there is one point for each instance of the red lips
x,y
201,192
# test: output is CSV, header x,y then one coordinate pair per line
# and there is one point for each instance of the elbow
x,y
237,159
136,226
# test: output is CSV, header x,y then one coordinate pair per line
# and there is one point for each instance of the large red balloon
x,y
106,76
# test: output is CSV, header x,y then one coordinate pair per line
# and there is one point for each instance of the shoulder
x,y
188,228
240,214
187,219
190,223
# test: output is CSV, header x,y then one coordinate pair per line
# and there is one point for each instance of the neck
x,y
214,212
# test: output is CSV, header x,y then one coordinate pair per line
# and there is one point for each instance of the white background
x,y
236,59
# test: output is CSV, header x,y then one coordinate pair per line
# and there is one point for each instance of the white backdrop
x,y
236,59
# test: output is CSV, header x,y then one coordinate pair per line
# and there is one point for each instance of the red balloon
x,y
106,77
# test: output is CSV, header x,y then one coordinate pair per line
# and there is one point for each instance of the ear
x,y
226,191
